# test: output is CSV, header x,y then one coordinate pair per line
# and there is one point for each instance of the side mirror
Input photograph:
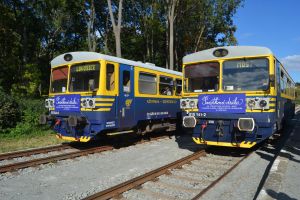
x,y
91,84
271,81
41,92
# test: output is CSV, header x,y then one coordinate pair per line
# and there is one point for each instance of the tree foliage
x,y
32,33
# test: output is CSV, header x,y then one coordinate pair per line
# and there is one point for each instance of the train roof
x,y
83,56
233,51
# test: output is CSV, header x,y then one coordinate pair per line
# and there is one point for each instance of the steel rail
x,y
123,187
16,154
220,178
31,163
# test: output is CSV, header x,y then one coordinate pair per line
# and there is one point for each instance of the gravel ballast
x,y
80,177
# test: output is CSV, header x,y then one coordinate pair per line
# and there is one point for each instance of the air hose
x,y
203,127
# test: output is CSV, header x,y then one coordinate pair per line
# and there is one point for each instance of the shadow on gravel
x,y
271,148
279,196
120,141
225,151
185,141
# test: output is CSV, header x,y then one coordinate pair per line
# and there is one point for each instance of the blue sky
x,y
274,24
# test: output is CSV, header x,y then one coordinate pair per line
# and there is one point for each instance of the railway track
x,y
30,152
187,178
35,162
13,166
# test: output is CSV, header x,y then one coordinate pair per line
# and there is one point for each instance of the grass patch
x,y
33,140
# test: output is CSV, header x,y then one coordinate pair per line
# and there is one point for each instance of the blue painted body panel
x,y
266,123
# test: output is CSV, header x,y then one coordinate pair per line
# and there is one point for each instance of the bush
x,y
29,124
10,113
31,110
20,116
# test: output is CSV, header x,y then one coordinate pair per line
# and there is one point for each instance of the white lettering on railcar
x,y
197,114
110,124
54,112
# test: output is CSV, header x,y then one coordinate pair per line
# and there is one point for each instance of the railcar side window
x,y
203,77
147,83
166,86
126,81
178,87
59,79
282,82
110,76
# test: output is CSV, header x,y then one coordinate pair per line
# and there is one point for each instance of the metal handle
x,y
123,112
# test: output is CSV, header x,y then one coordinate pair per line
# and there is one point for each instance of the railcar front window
x,y
202,77
59,80
246,74
84,77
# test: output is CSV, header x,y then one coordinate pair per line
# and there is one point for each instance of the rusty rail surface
x,y
123,187
30,163
30,152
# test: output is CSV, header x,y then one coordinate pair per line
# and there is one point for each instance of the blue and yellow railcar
x,y
235,96
92,94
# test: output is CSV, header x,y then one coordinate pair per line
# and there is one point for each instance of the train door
x,y
126,98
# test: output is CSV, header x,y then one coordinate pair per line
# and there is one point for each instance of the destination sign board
x,y
224,103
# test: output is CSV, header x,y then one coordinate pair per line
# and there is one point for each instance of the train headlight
x,y
263,103
251,103
246,124
193,103
51,103
258,103
88,102
91,103
189,121
84,103
47,103
183,103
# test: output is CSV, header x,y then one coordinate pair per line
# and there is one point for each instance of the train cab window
x,y
59,79
202,77
84,77
166,86
178,87
246,74
126,81
147,83
110,76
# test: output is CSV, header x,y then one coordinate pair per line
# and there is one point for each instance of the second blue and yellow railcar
x,y
235,96
93,94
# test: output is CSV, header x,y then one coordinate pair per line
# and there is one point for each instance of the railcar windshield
x,y
246,74
83,76
202,77
59,80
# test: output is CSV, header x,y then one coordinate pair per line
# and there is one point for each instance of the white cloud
x,y
292,63
246,35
